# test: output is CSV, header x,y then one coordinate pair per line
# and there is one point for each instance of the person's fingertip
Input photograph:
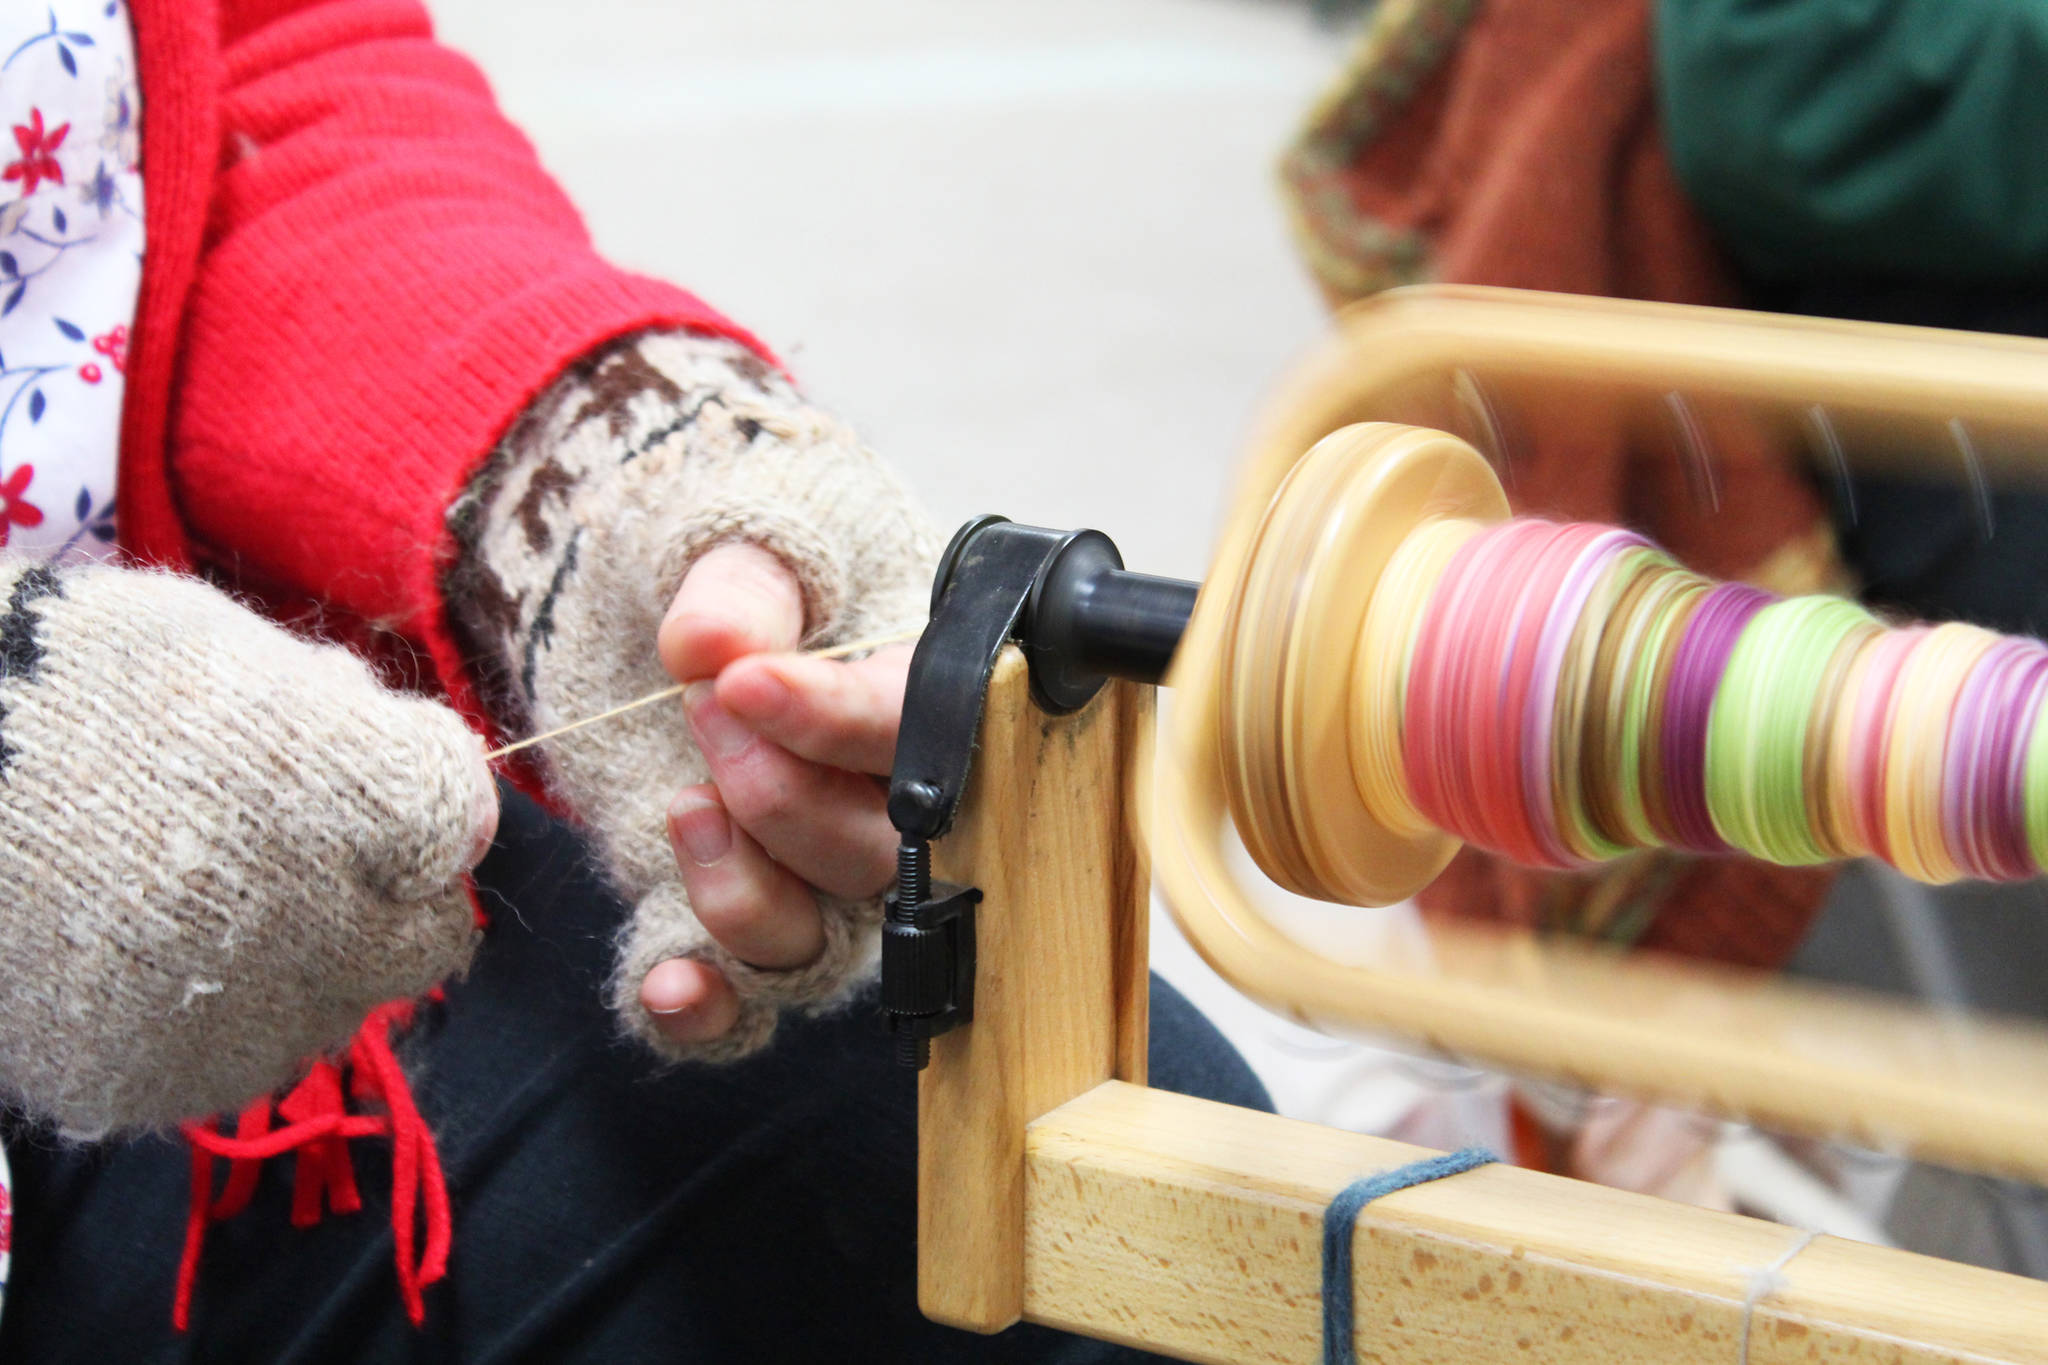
x,y
720,734
696,644
689,1002
671,988
692,798
701,832
755,689
765,577
736,600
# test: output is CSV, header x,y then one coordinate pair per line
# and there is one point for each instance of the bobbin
x,y
1290,726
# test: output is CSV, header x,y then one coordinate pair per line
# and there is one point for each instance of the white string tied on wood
x,y
1765,1281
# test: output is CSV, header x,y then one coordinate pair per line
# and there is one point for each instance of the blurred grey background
x,y
1031,249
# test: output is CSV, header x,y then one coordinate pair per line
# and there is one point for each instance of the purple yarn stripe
x,y
1696,670
2007,764
1982,817
1538,743
1964,776
2032,698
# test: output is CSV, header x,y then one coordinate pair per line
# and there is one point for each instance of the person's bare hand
x,y
794,745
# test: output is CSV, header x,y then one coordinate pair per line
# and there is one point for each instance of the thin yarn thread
x,y
1341,1218
1767,1280
676,690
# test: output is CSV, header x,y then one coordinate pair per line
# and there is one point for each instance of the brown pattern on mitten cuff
x,y
572,542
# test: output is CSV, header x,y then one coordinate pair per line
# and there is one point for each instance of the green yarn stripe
x,y
1756,731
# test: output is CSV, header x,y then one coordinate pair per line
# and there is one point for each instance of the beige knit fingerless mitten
x,y
571,544
220,846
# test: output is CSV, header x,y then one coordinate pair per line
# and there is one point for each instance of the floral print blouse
x,y
70,268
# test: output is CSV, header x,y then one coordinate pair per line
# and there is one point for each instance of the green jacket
x,y
1888,139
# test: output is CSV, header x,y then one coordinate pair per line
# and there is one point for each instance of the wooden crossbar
x,y
1194,1228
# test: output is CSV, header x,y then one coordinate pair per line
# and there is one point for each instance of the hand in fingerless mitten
x,y
219,846
571,545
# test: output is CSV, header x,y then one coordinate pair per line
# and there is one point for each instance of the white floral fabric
x,y
70,271
71,244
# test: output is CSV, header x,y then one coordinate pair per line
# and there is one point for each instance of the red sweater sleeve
x,y
387,277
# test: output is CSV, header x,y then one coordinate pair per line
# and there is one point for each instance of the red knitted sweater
x,y
357,275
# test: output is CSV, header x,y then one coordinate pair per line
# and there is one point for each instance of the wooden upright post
x,y
1060,992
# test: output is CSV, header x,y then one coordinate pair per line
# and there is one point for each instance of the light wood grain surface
x,y
1194,1229
1060,998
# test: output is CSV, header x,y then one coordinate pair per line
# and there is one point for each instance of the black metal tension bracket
x,y
1080,618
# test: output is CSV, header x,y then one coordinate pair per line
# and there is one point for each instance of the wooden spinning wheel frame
x,y
1055,1187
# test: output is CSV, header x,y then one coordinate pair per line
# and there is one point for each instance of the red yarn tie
x,y
323,1170
317,1128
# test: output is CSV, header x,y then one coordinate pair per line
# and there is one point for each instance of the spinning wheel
x,y
1319,664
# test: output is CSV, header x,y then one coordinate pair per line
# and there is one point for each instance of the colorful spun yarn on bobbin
x,y
1565,693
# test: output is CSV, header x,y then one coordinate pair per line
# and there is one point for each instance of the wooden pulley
x,y
1291,682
